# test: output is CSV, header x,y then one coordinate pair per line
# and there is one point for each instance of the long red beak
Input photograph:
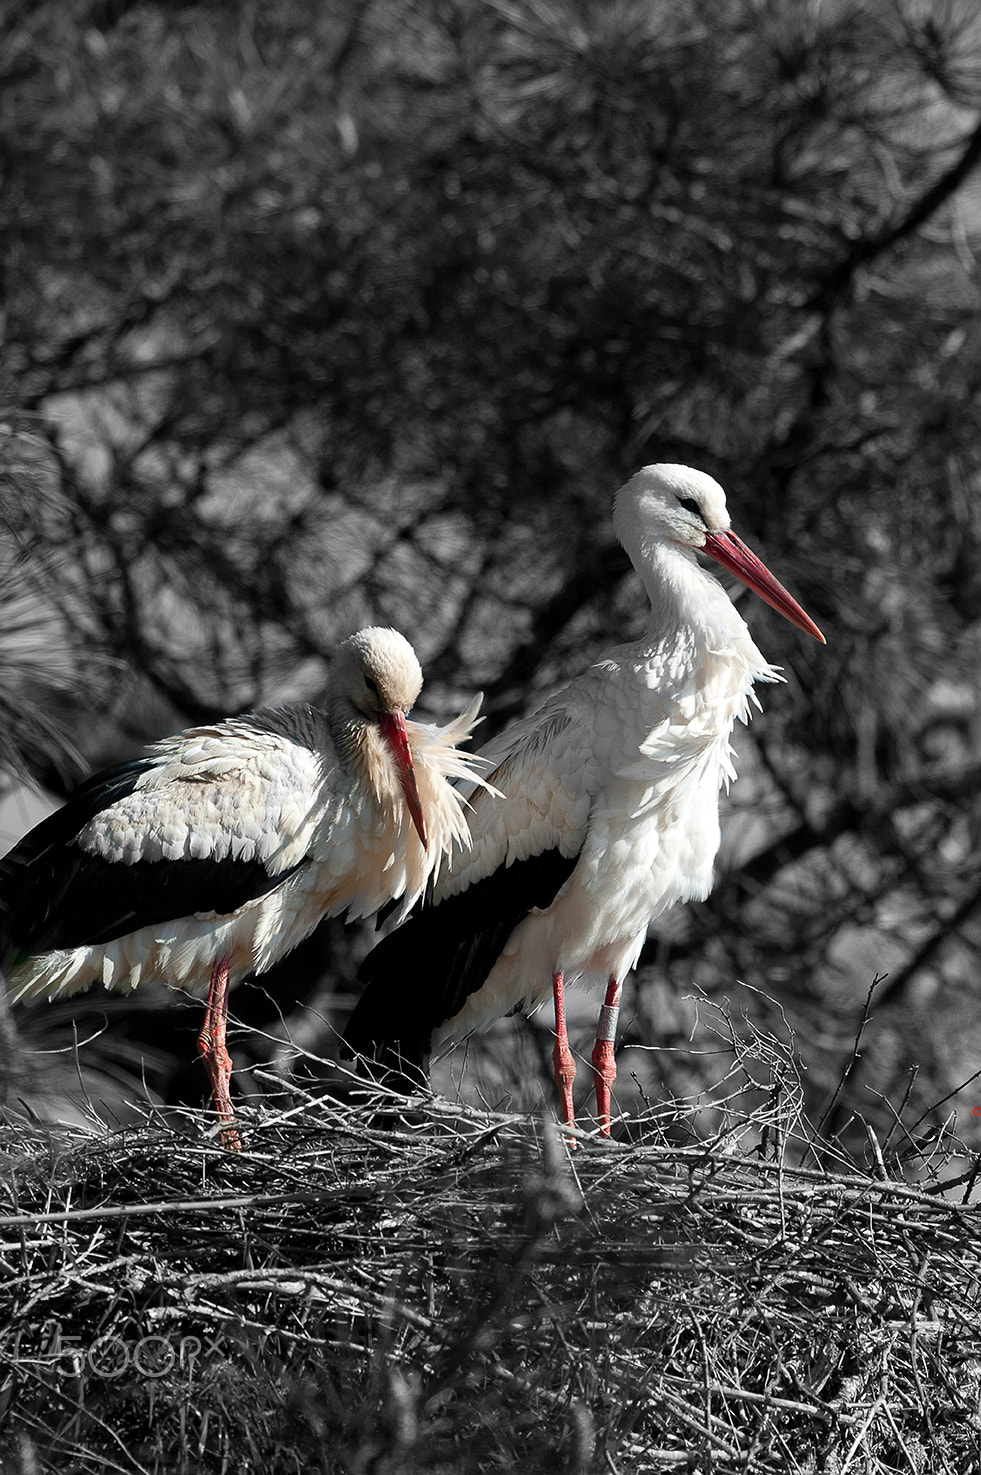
x,y
733,554
392,725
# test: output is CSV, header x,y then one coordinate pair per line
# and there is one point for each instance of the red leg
x,y
214,1053
604,1063
565,1066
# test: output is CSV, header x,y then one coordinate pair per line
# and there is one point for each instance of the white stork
x,y
610,815
213,855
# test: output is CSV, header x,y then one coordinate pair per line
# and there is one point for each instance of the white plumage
x,y
611,807
224,846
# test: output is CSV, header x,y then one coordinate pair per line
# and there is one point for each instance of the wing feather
x,y
205,822
547,771
422,974
241,790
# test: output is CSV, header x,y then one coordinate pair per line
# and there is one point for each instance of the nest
x,y
455,1290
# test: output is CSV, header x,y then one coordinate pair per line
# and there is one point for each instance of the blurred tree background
x,y
320,315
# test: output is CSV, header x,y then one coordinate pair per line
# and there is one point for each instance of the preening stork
x,y
610,812
213,855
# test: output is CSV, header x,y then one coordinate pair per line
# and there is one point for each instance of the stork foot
x,y
214,1053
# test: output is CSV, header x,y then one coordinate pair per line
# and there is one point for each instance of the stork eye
x,y
690,505
371,685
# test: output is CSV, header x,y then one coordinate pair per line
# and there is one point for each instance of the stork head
x,y
678,505
376,673
669,504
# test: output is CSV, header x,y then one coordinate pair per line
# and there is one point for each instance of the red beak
x,y
733,554
392,725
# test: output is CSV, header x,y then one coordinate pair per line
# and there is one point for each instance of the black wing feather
x,y
422,974
53,894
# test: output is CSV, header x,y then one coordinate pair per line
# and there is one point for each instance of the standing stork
x,y
213,855
610,814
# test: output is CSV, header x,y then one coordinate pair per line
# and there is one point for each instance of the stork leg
x,y
604,1061
214,1053
563,1063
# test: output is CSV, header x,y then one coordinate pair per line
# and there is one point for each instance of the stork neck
x,y
684,596
363,752
350,737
